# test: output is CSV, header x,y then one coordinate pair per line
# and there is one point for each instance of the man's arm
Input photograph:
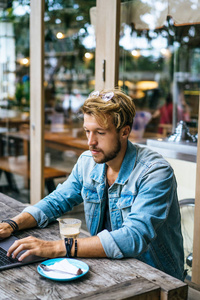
x,y
87,247
23,220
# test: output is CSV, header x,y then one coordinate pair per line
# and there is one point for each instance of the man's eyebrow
x,y
102,129
98,128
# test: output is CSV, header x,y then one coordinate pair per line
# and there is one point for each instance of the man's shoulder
x,y
149,156
150,162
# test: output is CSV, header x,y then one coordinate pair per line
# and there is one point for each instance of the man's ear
x,y
126,131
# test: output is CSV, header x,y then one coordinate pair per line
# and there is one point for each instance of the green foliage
x,y
22,94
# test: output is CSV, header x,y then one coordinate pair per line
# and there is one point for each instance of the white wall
x,y
185,172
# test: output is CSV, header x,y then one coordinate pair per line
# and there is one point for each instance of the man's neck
x,y
113,167
111,176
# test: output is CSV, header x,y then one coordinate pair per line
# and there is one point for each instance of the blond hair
x,y
120,108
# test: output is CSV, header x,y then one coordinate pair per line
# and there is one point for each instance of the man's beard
x,y
109,156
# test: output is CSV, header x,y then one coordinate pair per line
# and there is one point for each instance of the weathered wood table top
x,y
106,279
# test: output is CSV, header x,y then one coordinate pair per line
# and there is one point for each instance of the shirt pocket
x,y
91,207
125,203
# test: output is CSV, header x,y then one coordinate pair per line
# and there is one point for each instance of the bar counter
x,y
182,150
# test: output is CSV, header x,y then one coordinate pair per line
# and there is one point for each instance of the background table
x,y
15,122
106,279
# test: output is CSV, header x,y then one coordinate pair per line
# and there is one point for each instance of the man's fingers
x,y
25,254
18,246
12,248
18,250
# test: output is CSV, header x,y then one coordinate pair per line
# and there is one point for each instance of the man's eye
x,y
101,132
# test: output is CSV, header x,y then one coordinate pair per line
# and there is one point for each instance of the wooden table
x,y
15,122
65,141
20,165
58,140
106,279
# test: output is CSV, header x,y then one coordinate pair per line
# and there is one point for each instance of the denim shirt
x,y
143,206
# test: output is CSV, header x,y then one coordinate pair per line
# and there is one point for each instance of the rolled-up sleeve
x,y
110,247
38,215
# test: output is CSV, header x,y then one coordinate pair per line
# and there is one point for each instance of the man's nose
x,y
92,139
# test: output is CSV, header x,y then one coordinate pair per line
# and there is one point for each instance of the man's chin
x,y
98,160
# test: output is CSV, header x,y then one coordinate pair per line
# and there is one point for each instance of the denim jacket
x,y
143,206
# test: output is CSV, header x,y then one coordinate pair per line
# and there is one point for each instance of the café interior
x,y
54,53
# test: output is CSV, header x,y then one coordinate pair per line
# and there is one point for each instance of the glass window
x,y
14,98
69,78
159,64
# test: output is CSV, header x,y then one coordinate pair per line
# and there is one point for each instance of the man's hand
x,y
23,220
5,230
33,245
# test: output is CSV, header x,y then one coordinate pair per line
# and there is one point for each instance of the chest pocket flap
x,y
125,201
124,204
90,195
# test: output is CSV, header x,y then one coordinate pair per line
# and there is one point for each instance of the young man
x,y
129,194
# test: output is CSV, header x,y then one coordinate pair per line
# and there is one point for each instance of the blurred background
x,y
159,68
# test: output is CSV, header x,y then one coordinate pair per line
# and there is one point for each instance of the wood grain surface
x,y
106,279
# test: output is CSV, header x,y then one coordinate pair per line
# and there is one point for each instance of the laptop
x,y
8,262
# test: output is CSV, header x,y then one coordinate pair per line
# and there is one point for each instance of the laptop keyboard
x,y
5,260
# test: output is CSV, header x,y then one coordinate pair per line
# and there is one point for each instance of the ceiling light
x,y
60,35
135,53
